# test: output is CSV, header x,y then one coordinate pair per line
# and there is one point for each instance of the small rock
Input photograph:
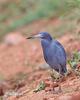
x,y
13,39
27,63
44,67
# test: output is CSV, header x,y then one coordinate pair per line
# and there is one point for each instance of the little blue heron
x,y
54,55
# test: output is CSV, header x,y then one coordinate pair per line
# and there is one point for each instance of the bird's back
x,y
55,56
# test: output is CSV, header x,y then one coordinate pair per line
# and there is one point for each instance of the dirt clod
x,y
47,89
47,83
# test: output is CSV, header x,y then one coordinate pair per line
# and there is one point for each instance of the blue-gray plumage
x,y
54,53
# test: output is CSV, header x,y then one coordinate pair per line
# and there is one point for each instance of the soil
x,y
20,63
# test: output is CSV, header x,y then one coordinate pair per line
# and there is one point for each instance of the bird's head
x,y
42,35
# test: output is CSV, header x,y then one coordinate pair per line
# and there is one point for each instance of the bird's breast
x,y
49,56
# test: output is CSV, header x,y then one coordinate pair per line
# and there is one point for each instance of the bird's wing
x,y
60,55
60,48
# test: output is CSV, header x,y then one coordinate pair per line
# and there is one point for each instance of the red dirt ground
x,y
14,70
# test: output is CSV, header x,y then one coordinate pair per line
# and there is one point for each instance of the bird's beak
x,y
35,36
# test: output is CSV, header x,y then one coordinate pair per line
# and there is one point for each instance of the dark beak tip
x,y
28,37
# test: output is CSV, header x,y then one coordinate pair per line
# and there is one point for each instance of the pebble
x,y
44,67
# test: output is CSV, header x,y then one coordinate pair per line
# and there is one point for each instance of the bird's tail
x,y
62,74
65,69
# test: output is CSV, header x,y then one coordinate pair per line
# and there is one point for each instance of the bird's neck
x,y
45,43
49,38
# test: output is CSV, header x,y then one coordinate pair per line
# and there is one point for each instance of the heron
x,y
54,55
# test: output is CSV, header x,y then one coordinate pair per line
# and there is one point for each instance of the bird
x,y
54,55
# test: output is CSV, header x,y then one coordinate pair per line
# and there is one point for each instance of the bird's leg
x,y
60,90
52,76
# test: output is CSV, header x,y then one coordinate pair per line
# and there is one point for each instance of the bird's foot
x,y
54,92
59,91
